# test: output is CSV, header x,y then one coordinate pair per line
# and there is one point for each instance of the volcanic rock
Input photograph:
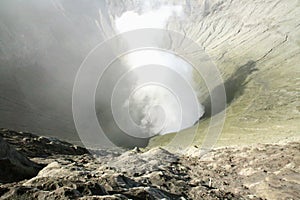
x,y
13,165
262,171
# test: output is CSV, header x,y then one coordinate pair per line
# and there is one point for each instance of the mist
x,y
43,44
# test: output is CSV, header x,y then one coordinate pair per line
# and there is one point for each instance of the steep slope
x,y
255,44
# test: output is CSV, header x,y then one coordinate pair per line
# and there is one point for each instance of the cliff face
x,y
255,44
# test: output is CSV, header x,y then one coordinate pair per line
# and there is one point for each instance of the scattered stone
x,y
229,173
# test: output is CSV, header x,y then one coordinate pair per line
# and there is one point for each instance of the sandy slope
x,y
255,44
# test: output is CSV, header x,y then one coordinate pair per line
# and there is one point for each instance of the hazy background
x,y
255,44
42,44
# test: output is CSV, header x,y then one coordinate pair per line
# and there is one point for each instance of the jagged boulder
x,y
14,166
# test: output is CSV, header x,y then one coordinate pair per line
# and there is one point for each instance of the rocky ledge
x,y
60,170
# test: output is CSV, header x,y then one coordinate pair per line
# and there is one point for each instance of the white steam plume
x,y
150,101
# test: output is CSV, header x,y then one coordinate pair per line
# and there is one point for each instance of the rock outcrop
x,y
13,165
39,146
265,171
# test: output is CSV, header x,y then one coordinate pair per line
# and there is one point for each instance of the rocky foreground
x,y
59,170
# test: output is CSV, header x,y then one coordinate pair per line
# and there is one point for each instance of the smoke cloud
x,y
153,108
43,44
